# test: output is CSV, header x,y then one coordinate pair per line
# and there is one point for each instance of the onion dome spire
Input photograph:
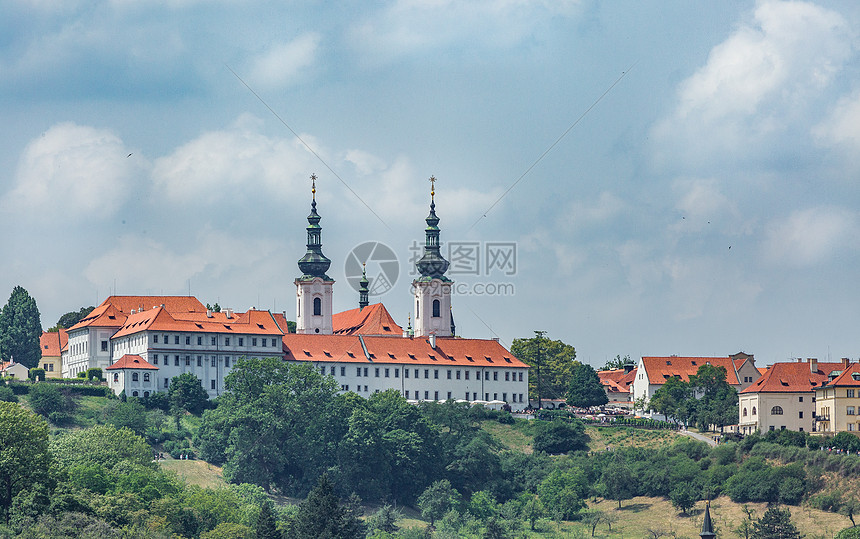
x,y
362,289
314,263
432,265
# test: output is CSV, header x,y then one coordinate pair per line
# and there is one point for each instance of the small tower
x,y
314,287
707,525
362,289
432,288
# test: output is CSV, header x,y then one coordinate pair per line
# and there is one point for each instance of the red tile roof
x,y
159,319
850,376
617,380
793,377
660,369
52,342
372,320
132,361
398,350
103,316
174,304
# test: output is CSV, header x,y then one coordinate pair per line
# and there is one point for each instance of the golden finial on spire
x,y
314,186
432,186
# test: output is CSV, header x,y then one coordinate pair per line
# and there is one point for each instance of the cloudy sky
x,y
706,204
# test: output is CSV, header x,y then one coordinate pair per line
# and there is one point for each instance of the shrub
x,y
94,373
7,395
505,418
82,375
37,374
46,399
559,437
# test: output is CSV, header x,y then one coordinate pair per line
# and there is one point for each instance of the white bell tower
x,y
432,288
314,287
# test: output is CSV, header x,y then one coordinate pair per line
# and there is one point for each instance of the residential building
x,y
837,400
652,371
10,369
784,397
133,375
618,383
51,344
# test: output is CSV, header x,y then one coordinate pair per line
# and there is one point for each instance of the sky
x,y
634,177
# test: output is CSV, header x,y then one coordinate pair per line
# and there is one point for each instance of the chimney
x,y
228,313
433,341
628,367
813,364
208,313
846,362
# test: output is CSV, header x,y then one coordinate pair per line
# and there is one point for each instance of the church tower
x,y
432,288
314,287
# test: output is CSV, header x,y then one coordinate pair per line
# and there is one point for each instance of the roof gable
x,y
132,361
371,320
661,368
792,377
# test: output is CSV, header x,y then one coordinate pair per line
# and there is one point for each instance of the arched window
x,y
317,306
146,377
745,412
116,377
135,377
134,393
754,411
776,410
436,308
145,394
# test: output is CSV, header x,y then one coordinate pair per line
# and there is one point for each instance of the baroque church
x,y
142,342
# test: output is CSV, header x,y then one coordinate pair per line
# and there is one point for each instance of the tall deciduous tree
x,y
20,329
556,361
24,456
437,499
675,400
585,388
718,403
186,393
72,317
617,481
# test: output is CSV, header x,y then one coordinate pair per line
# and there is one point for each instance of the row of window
x,y
213,361
213,340
386,372
515,397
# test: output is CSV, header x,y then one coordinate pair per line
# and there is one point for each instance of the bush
x,y
559,437
37,374
82,375
94,373
46,399
505,418
7,395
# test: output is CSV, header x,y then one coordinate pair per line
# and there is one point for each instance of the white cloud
x,y
758,81
703,206
841,127
236,162
812,236
591,213
73,171
283,64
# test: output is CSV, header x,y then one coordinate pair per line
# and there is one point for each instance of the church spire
x,y
363,290
314,263
707,525
432,265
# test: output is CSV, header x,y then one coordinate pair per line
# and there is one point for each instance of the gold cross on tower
x,y
314,185
432,186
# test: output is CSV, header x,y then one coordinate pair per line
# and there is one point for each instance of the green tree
x,y
617,481
684,496
554,359
7,395
718,403
104,445
266,526
71,318
775,524
437,499
20,329
385,519
130,414
24,457
277,425
555,437
37,374
94,373
46,399
322,515
186,393
849,533
585,388
617,362
675,400
563,493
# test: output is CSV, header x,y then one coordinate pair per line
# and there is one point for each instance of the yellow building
x,y
838,402
51,343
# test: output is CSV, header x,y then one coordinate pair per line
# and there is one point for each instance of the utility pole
x,y
539,341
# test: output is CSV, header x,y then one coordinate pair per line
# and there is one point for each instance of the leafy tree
x,y
71,318
554,359
437,499
104,445
684,496
674,399
585,388
20,329
186,393
37,374
276,426
385,519
228,530
130,414
746,526
46,399
775,524
564,492
617,481
94,373
291,326
617,362
555,437
849,533
24,456
718,403
7,395
322,515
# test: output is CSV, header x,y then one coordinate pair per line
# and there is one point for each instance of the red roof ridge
x,y
132,361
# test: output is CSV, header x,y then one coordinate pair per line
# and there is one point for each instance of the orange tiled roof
x,y
372,320
793,377
159,319
132,361
105,315
52,342
174,304
850,376
617,380
398,350
660,369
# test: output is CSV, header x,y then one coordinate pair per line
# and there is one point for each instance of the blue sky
x,y
707,204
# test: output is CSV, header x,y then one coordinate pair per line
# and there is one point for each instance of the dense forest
x,y
70,468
